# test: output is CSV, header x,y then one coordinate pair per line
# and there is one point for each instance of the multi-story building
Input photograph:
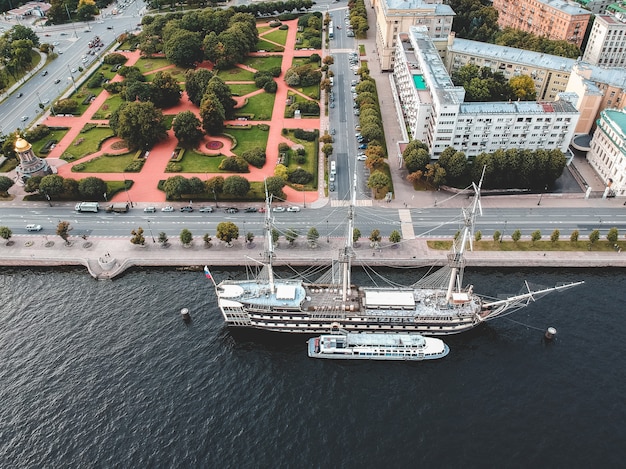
x,y
608,149
435,111
554,19
549,72
597,7
396,16
607,41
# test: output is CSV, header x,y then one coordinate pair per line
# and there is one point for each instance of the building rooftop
x,y
613,76
517,107
511,55
566,7
617,120
413,5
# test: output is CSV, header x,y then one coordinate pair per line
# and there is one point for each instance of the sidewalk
x,y
106,258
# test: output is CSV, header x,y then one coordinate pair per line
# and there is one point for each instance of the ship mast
x,y
269,246
455,258
347,252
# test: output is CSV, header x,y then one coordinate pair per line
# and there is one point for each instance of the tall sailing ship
x,y
435,305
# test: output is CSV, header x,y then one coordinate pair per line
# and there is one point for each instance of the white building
x,y
608,149
606,46
435,111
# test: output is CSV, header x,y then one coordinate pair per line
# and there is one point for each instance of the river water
x,y
106,374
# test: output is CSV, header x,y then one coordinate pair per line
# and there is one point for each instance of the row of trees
x,y
181,188
612,236
58,187
504,169
16,48
482,84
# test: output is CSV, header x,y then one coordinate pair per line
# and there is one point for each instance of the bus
x,y
331,30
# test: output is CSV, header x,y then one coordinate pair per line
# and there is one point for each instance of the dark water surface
x,y
106,374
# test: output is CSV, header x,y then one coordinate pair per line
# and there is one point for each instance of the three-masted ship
x,y
435,305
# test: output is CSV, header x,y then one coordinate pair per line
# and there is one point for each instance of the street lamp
x,y
503,230
327,233
150,228
215,196
72,78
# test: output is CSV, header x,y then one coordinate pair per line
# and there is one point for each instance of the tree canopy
x,y
140,125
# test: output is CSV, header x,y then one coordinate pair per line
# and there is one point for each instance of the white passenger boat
x,y
376,346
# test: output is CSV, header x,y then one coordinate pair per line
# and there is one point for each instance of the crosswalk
x,y
345,203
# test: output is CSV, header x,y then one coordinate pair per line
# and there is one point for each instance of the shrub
x,y
114,59
234,164
134,166
256,157
283,147
283,27
173,167
305,135
300,176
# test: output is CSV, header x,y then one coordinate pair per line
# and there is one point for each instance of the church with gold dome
x,y
30,164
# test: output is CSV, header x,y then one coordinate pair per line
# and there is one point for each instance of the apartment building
x,y
608,149
597,7
396,16
607,41
554,19
549,72
435,111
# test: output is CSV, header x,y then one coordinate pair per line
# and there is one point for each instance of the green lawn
x,y
268,46
236,74
262,29
261,105
264,63
310,163
248,139
108,163
110,105
168,119
508,245
54,135
148,64
194,162
87,143
312,91
279,36
177,72
242,90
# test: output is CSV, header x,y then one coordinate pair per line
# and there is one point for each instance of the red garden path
x,y
145,188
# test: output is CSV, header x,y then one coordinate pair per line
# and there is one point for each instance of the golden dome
x,y
21,145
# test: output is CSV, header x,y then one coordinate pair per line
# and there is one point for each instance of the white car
x,y
167,208
278,209
149,209
293,208
33,227
361,157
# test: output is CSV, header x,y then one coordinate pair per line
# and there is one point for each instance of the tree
x,y
63,230
5,233
613,235
395,237
327,149
497,236
187,129
175,187
416,159
375,236
356,234
291,235
275,236
312,236
196,84
378,181
221,91
554,237
165,90
140,125
236,186
212,114
574,236
535,236
215,185
5,184
281,171
90,188
516,236
186,237
275,186
523,88
227,231
249,237
594,236
478,235
207,240
183,48
138,238
52,185
163,241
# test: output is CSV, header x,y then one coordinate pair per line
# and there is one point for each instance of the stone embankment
x,y
106,258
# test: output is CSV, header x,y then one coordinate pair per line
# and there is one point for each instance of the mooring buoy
x,y
185,314
550,333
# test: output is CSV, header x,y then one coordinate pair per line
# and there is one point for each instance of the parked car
x,y
24,118
44,73
279,209
231,210
262,210
332,131
186,208
331,187
251,210
206,209
57,81
361,157
293,208
362,146
19,95
33,227
167,208
150,209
